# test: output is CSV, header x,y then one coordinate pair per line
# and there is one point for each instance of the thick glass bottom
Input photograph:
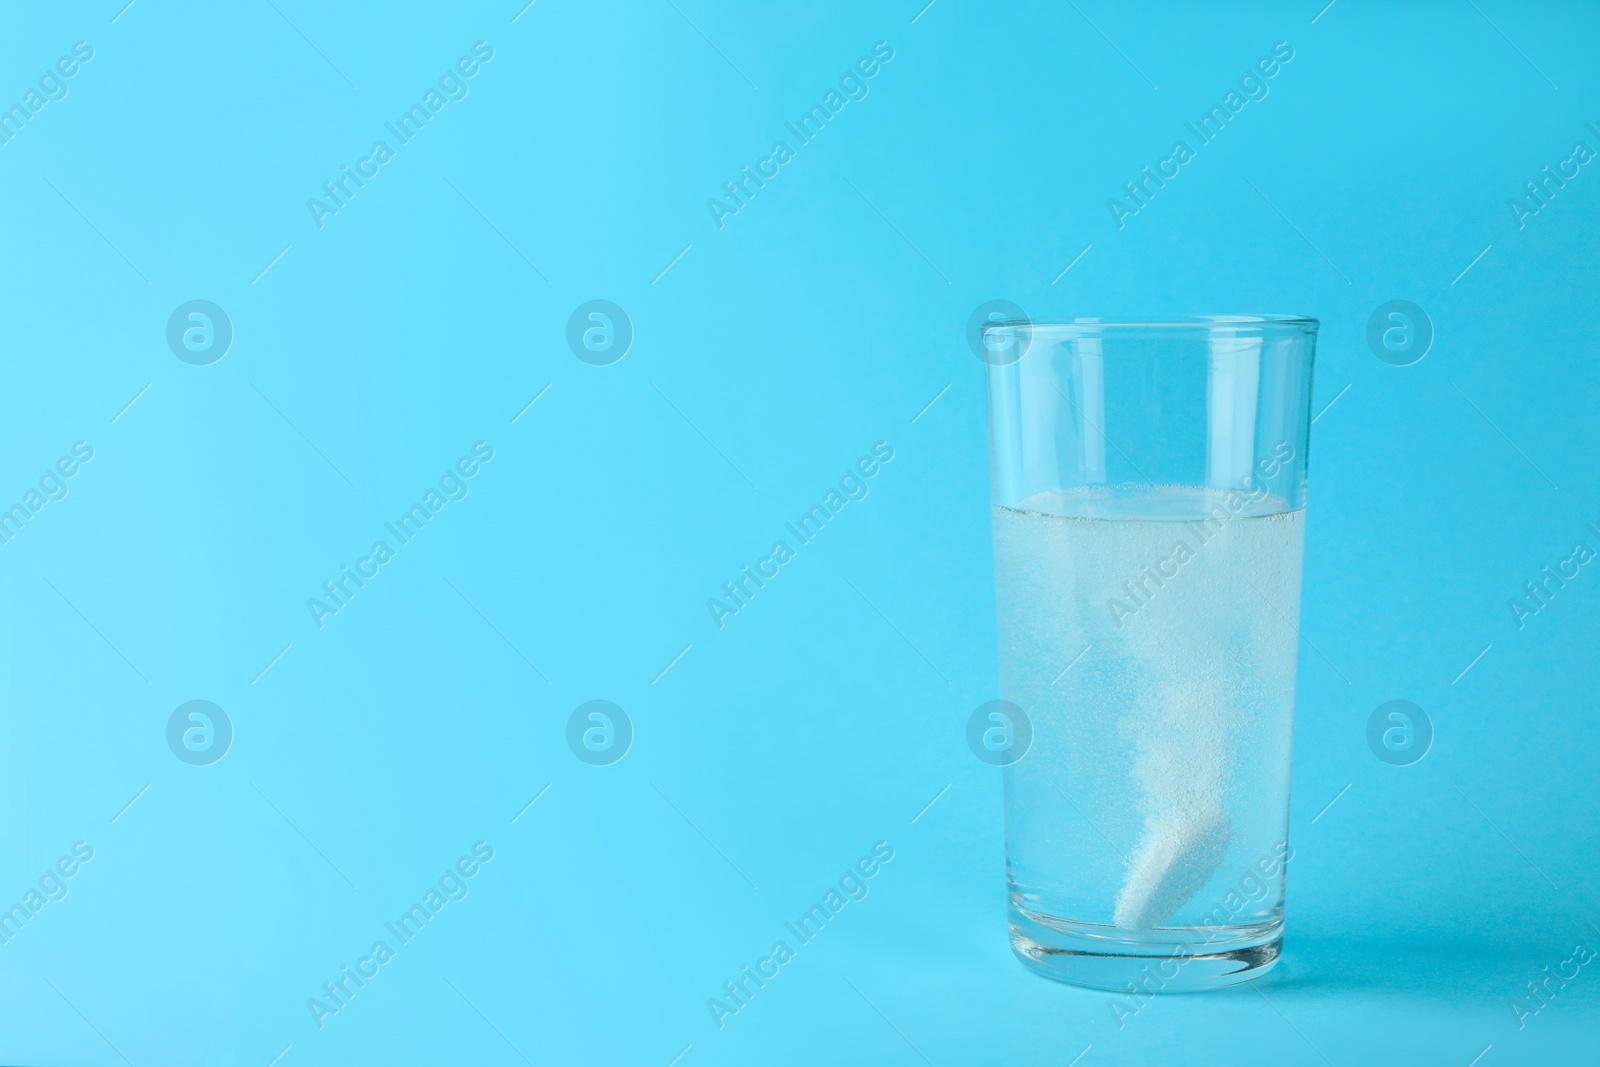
x,y
1176,960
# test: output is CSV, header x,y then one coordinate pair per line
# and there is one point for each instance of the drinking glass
x,y
1148,486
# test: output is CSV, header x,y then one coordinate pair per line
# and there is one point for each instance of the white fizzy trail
x,y
1186,830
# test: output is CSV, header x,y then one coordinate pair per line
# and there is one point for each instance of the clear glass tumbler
x,y
1148,502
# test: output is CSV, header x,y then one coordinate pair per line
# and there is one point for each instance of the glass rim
x,y
1301,323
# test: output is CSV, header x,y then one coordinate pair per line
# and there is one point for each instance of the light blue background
x,y
822,318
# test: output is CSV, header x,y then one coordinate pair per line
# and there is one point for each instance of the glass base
x,y
1144,962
